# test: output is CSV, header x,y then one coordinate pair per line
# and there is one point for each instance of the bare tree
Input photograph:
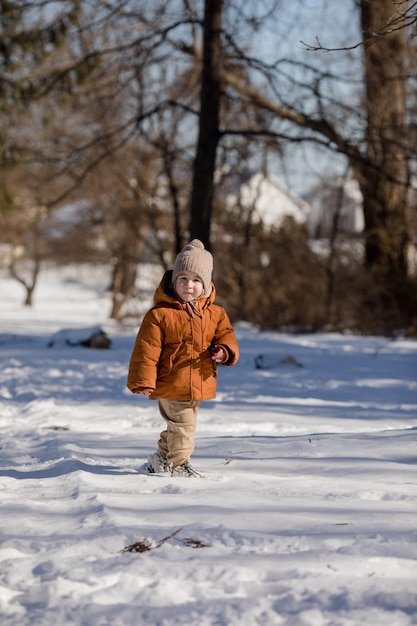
x,y
383,174
208,135
380,157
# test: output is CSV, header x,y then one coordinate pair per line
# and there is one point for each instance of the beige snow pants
x,y
176,443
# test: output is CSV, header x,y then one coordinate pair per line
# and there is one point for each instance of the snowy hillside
x,y
306,515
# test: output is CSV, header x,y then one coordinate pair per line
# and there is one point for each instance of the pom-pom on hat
x,y
195,258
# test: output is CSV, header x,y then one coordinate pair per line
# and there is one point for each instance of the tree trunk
x,y
30,283
208,136
383,176
124,272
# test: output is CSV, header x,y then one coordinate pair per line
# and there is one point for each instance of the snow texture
x,y
306,515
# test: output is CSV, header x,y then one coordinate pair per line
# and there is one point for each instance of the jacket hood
x,y
165,294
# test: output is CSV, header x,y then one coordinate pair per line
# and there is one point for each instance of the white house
x,y
339,196
270,200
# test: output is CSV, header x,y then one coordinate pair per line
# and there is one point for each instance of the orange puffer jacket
x,y
172,354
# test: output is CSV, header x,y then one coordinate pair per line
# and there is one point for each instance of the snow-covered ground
x,y
306,515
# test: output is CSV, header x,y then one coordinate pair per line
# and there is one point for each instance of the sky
x,y
305,514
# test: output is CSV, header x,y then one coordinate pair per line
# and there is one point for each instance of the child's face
x,y
188,286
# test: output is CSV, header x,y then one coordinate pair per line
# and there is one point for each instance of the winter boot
x,y
157,464
185,470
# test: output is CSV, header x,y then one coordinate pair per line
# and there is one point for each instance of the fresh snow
x,y
306,515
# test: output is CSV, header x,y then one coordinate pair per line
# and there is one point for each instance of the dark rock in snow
x,y
93,337
270,361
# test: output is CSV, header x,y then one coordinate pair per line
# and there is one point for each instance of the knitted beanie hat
x,y
194,258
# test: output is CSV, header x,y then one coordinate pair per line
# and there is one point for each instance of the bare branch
x,y
398,21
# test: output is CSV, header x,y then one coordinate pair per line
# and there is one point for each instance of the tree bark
x,y
208,136
383,178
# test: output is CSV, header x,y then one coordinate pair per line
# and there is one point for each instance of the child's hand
x,y
145,392
218,354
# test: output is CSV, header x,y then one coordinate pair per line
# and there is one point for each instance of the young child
x,y
182,339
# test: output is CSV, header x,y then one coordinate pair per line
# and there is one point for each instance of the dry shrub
x,y
386,305
274,280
